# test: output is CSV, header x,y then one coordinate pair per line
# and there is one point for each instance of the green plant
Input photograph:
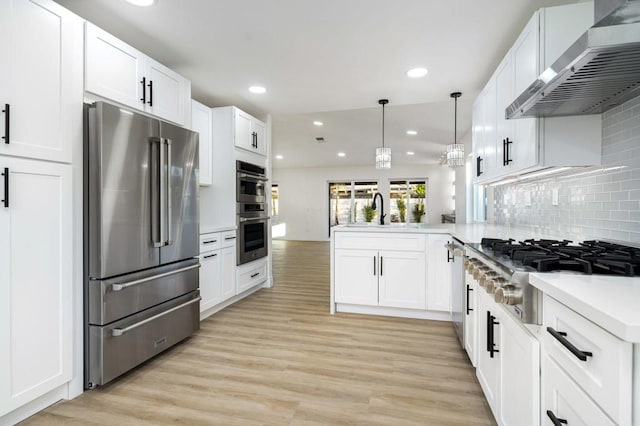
x,y
402,208
369,212
418,212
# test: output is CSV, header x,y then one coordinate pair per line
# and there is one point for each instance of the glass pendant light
x,y
383,155
455,151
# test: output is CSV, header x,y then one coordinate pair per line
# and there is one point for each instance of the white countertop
x,y
612,302
210,229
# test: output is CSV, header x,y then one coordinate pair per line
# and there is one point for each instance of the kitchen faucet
x,y
373,206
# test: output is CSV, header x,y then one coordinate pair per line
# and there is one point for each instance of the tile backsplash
x,y
596,202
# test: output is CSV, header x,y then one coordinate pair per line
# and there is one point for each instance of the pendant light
x,y
455,151
383,155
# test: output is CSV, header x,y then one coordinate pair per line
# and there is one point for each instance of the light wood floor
x,y
279,358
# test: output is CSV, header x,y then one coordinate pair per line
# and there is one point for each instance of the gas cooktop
x,y
588,257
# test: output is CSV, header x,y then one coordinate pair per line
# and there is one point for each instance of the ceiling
x,y
329,60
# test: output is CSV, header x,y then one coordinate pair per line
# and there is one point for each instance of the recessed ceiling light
x,y
141,2
410,152
279,157
341,154
257,89
412,132
318,123
417,72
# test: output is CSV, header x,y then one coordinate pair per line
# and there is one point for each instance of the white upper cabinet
x,y
512,147
114,70
250,133
41,53
201,122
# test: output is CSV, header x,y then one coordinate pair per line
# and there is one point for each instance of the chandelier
x,y
455,151
383,155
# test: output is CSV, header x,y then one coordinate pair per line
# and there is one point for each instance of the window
x,y
408,201
347,201
274,200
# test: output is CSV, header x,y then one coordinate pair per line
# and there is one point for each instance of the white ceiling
x,y
329,60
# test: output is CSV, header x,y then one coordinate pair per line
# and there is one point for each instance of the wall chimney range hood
x,y
598,72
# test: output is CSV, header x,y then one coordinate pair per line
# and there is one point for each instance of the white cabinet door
x,y
168,92
201,121
519,374
440,272
210,288
470,318
243,137
258,131
227,272
356,276
488,364
41,63
477,138
488,165
526,67
504,96
35,280
402,279
113,69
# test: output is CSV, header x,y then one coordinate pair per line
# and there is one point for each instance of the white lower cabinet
x,y
401,280
440,272
217,269
564,402
36,303
251,274
508,365
356,277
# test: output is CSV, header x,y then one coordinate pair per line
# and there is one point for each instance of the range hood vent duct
x,y
599,71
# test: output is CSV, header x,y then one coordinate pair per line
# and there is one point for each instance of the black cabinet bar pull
x,y
229,238
255,275
6,187
7,124
374,265
504,152
209,241
468,308
560,336
381,263
478,165
507,160
556,421
491,322
150,86
488,331
449,257
210,255
144,90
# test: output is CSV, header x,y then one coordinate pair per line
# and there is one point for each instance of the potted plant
x,y
369,212
420,191
402,209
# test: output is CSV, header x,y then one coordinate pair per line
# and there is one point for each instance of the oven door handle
x,y
120,331
254,178
252,219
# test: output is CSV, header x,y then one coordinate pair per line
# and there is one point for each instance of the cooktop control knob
x,y
509,295
494,284
480,269
486,277
471,264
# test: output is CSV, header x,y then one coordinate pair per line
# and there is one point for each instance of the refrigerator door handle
x,y
157,231
169,239
122,286
120,331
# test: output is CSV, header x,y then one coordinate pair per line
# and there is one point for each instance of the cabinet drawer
x,y
604,372
210,241
563,398
228,238
380,241
252,276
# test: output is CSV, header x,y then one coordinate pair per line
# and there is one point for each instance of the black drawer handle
x,y
209,241
229,238
210,255
255,275
561,337
491,344
7,123
556,421
6,187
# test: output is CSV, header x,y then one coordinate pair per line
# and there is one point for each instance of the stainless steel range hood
x,y
598,72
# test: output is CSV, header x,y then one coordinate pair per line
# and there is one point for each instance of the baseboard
x,y
220,306
33,407
393,312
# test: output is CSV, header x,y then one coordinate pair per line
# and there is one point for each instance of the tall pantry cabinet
x,y
40,123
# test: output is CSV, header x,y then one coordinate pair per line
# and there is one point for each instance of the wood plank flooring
x,y
279,358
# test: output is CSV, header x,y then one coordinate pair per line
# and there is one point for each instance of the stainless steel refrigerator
x,y
141,239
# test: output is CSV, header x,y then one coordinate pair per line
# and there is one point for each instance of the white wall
x,y
304,200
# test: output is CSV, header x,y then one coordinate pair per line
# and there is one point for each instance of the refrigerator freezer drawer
x,y
115,298
116,348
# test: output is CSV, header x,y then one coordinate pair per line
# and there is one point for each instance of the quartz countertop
x,y
609,301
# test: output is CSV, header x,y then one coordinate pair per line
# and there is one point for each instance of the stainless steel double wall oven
x,y
252,212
